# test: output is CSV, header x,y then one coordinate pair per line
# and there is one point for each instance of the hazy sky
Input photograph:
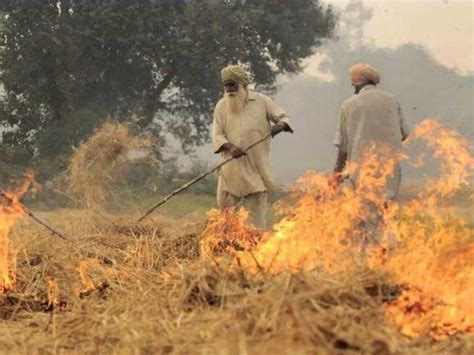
x,y
443,27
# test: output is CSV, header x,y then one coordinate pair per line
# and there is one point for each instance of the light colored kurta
x,y
250,173
372,116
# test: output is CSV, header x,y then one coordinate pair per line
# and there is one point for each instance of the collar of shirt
x,y
367,87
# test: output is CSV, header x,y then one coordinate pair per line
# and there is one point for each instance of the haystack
x,y
101,163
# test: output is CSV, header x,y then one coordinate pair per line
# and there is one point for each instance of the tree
x,y
67,68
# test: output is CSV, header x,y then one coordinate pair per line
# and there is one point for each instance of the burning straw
x,y
427,251
11,209
168,290
102,162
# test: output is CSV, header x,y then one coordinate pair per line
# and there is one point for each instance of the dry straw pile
x,y
148,290
101,163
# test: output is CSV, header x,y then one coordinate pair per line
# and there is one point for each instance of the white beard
x,y
235,102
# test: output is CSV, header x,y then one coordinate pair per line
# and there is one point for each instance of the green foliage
x,y
208,185
62,136
66,71
186,204
13,163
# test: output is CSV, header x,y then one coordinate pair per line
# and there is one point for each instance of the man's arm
x,y
405,130
340,161
278,116
220,142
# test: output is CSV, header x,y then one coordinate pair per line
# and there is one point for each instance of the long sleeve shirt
x,y
371,117
250,173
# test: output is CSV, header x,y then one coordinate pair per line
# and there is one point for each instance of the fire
x,y
427,250
438,255
94,276
321,227
86,268
10,210
232,231
53,291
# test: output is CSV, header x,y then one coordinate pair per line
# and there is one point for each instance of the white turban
x,y
362,73
235,73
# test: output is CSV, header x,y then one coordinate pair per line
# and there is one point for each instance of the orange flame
x,y
53,291
437,257
85,273
422,244
10,210
230,233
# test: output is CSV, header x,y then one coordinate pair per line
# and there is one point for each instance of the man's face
x,y
231,87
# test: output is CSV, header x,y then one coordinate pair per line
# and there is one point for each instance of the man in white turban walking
x,y
241,118
369,135
370,118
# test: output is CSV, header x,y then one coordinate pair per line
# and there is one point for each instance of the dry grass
x,y
118,287
101,162
153,293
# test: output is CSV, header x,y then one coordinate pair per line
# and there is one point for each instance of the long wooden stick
x,y
35,218
195,180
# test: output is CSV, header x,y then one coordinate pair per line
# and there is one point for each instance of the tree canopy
x,y
67,68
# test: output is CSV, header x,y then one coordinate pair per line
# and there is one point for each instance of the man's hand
x,y
235,151
279,127
335,180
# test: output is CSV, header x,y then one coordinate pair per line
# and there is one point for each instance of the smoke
x,y
313,99
424,87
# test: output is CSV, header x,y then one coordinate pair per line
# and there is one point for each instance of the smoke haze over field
x,y
423,49
424,87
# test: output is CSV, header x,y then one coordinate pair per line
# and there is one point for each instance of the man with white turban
x,y
241,118
370,120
